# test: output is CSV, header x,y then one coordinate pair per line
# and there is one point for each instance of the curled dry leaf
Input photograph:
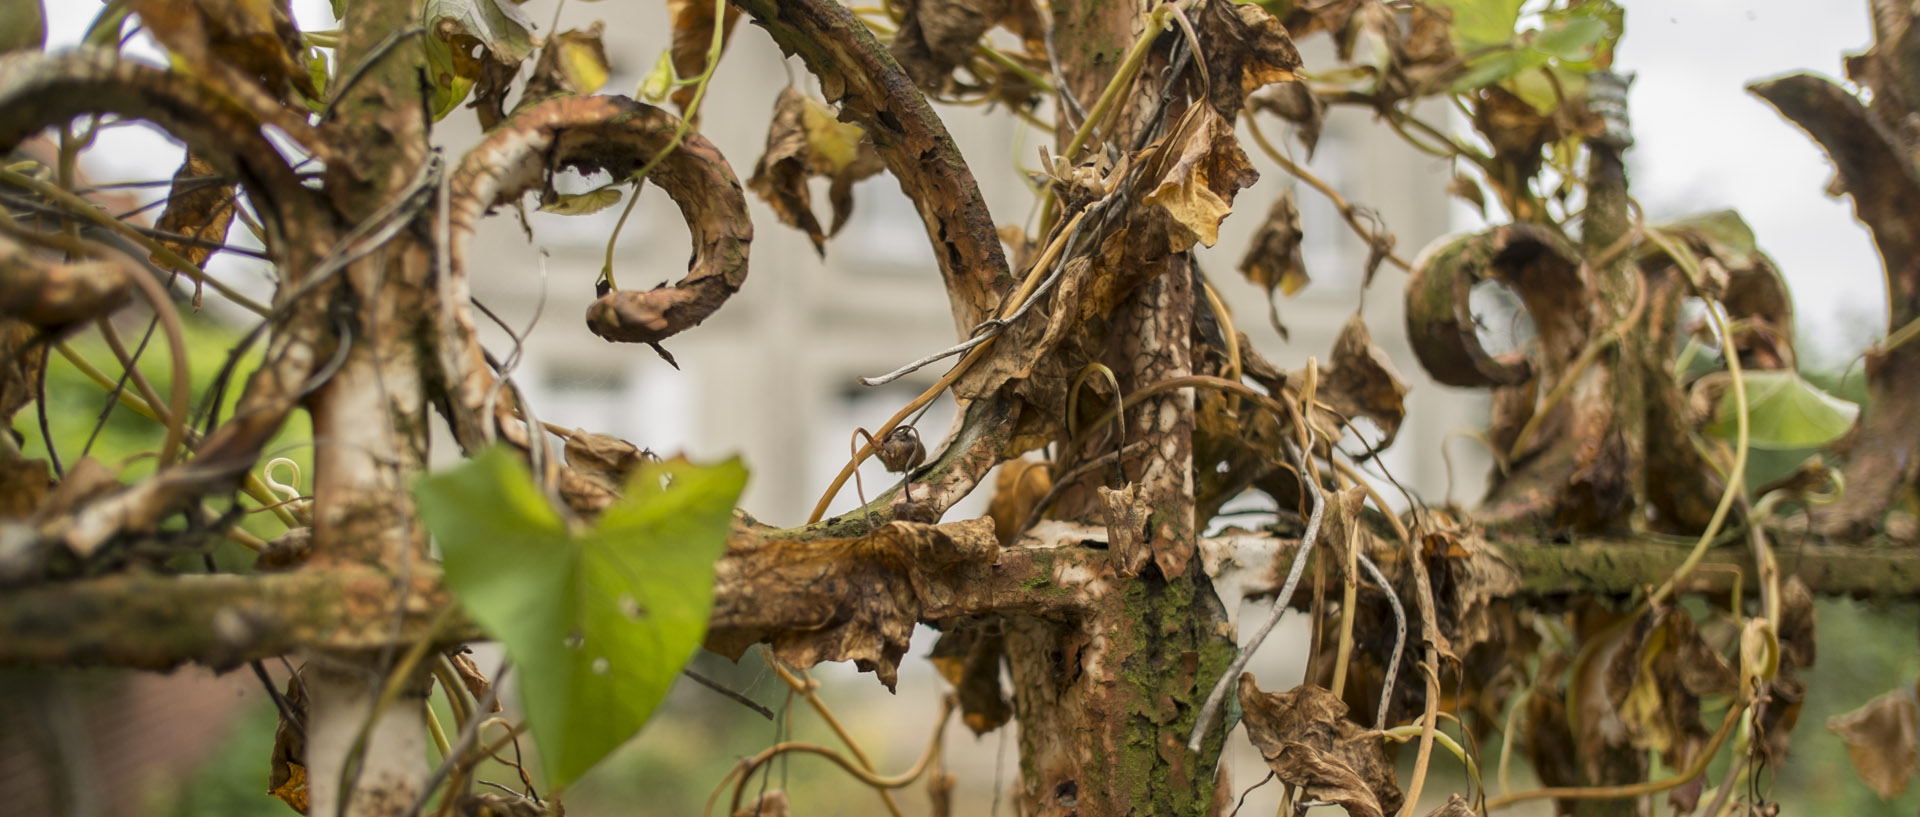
x,y
1456,806
1883,741
198,207
803,141
287,773
573,62
937,36
969,657
1246,50
1514,127
1779,711
773,803
475,46
692,22
472,678
1273,258
1195,172
1295,103
1020,485
256,36
1128,542
1465,188
1306,738
1361,381
1672,670
598,467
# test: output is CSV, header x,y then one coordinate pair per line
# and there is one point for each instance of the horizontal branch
x,y
221,621
857,599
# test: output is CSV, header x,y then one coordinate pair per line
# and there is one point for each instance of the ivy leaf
x,y
1481,23
1785,412
598,622
1570,39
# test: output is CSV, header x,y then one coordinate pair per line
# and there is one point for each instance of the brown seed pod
x,y
901,451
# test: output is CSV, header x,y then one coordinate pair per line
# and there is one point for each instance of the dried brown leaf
x,y
1306,738
969,658
1020,485
1514,128
1672,670
1246,50
257,37
475,45
1196,170
472,678
1297,104
1456,806
287,772
937,36
604,458
1883,741
198,207
1361,381
805,140
1273,258
1128,542
773,803
1465,188
692,22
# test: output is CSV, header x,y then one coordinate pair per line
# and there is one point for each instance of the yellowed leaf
x,y
573,62
832,141
804,140
1200,166
655,86
580,204
293,792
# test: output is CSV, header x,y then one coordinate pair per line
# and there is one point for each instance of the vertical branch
x,y
369,418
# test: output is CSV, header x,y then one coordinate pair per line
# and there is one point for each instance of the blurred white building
x,y
772,374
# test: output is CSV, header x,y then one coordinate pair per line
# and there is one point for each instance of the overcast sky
x,y
1703,142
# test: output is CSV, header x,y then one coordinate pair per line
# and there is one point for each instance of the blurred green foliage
x,y
128,442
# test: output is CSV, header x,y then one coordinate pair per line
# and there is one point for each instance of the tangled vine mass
x,y
1095,367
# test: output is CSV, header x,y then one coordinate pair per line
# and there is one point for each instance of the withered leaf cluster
x,y
807,140
1306,738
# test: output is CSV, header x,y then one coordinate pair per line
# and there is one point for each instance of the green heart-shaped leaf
x,y
598,623
1785,412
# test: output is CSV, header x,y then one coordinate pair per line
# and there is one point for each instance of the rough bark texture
x,y
371,417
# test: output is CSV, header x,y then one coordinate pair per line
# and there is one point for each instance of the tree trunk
x,y
370,426
1106,701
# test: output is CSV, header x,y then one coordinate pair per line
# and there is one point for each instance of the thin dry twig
x,y
1215,698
